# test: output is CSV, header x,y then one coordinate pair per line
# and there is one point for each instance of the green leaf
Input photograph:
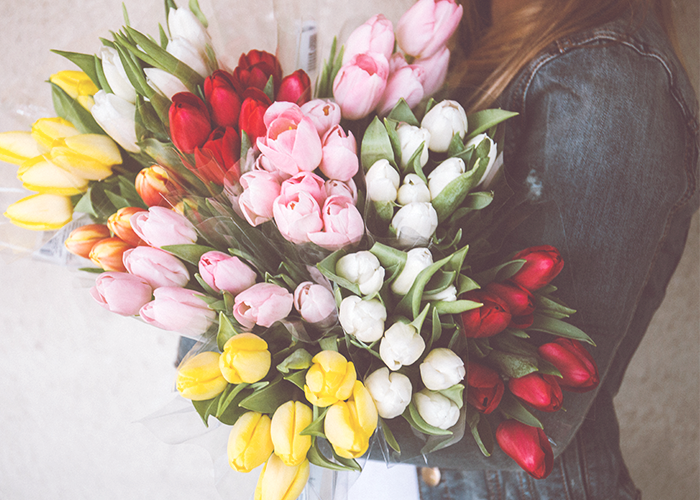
x,y
225,332
480,347
188,253
390,126
483,120
549,304
456,306
297,378
102,79
456,146
513,365
206,408
227,397
454,394
317,458
521,334
402,113
481,430
315,428
410,304
514,345
560,328
413,417
163,37
376,145
197,11
117,201
465,284
414,165
548,368
327,268
389,436
452,196
298,360
93,270
270,88
85,205
436,330
86,62
512,408
269,398
68,108
500,273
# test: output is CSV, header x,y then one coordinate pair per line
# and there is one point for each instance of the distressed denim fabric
x,y
606,146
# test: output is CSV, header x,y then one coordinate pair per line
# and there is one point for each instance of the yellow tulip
x,y
349,425
90,156
278,481
287,423
41,212
18,147
46,131
249,443
330,379
245,359
199,377
40,174
77,85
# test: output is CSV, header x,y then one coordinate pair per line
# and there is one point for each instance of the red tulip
x,y
538,390
218,156
485,388
579,371
528,446
190,124
255,69
542,265
224,102
519,300
489,319
255,103
295,88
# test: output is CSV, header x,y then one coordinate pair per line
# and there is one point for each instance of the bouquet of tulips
x,y
326,248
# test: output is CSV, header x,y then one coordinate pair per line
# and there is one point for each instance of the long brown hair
x,y
493,57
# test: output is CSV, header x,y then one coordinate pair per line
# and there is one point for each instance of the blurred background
x,y
77,379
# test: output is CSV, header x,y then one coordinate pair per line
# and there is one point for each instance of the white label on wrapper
x,y
306,51
55,251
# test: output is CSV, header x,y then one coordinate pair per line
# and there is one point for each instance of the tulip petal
x,y
39,174
41,212
46,131
17,147
96,146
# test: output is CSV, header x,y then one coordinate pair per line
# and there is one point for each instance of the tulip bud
x,y
343,225
417,259
262,304
441,369
121,293
436,409
415,224
542,265
363,269
90,156
349,424
484,388
223,99
391,392
287,423
435,68
117,117
520,302
182,23
18,147
382,181
375,35
339,151
199,377
528,446
425,28
164,83
108,254
190,124
295,88
297,216
577,367
444,174
46,131
315,303
184,51
444,120
324,113
260,189
413,190
538,390
401,345
41,212
178,310
156,266
278,481
331,378
77,85
411,138
251,120
81,240
405,83
119,223
255,69
224,272
360,83
250,442
363,319
245,359
491,318
346,190
161,226
306,182
116,75
152,185
492,154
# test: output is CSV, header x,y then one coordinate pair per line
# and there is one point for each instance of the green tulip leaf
x,y
227,397
189,253
376,145
101,78
315,428
86,62
271,397
297,378
85,205
388,256
481,431
454,394
197,11
206,408
389,436
348,463
514,345
226,330
440,281
414,165
402,113
429,105
545,304
231,410
483,120
548,368
204,285
390,126
117,200
465,284
70,109
456,306
499,273
298,360
317,458
270,88
451,197
327,268
413,417
478,200
513,365
93,270
436,332
512,408
456,146
128,191
480,347
410,304
560,328
521,334
329,343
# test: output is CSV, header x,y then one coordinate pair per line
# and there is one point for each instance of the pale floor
x,y
76,379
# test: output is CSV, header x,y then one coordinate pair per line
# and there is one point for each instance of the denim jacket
x,y
606,144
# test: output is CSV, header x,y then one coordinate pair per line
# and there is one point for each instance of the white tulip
x,y
401,345
391,392
363,319
493,152
444,120
411,138
116,75
118,118
444,174
363,269
164,83
449,294
414,189
183,50
441,369
415,224
382,181
416,260
182,23
436,409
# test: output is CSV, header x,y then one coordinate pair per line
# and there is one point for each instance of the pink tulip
x,y
425,28
224,272
435,70
157,267
291,143
347,189
360,83
308,182
161,226
339,155
324,113
179,310
121,293
277,108
315,303
406,83
297,216
342,224
260,190
262,304
376,35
